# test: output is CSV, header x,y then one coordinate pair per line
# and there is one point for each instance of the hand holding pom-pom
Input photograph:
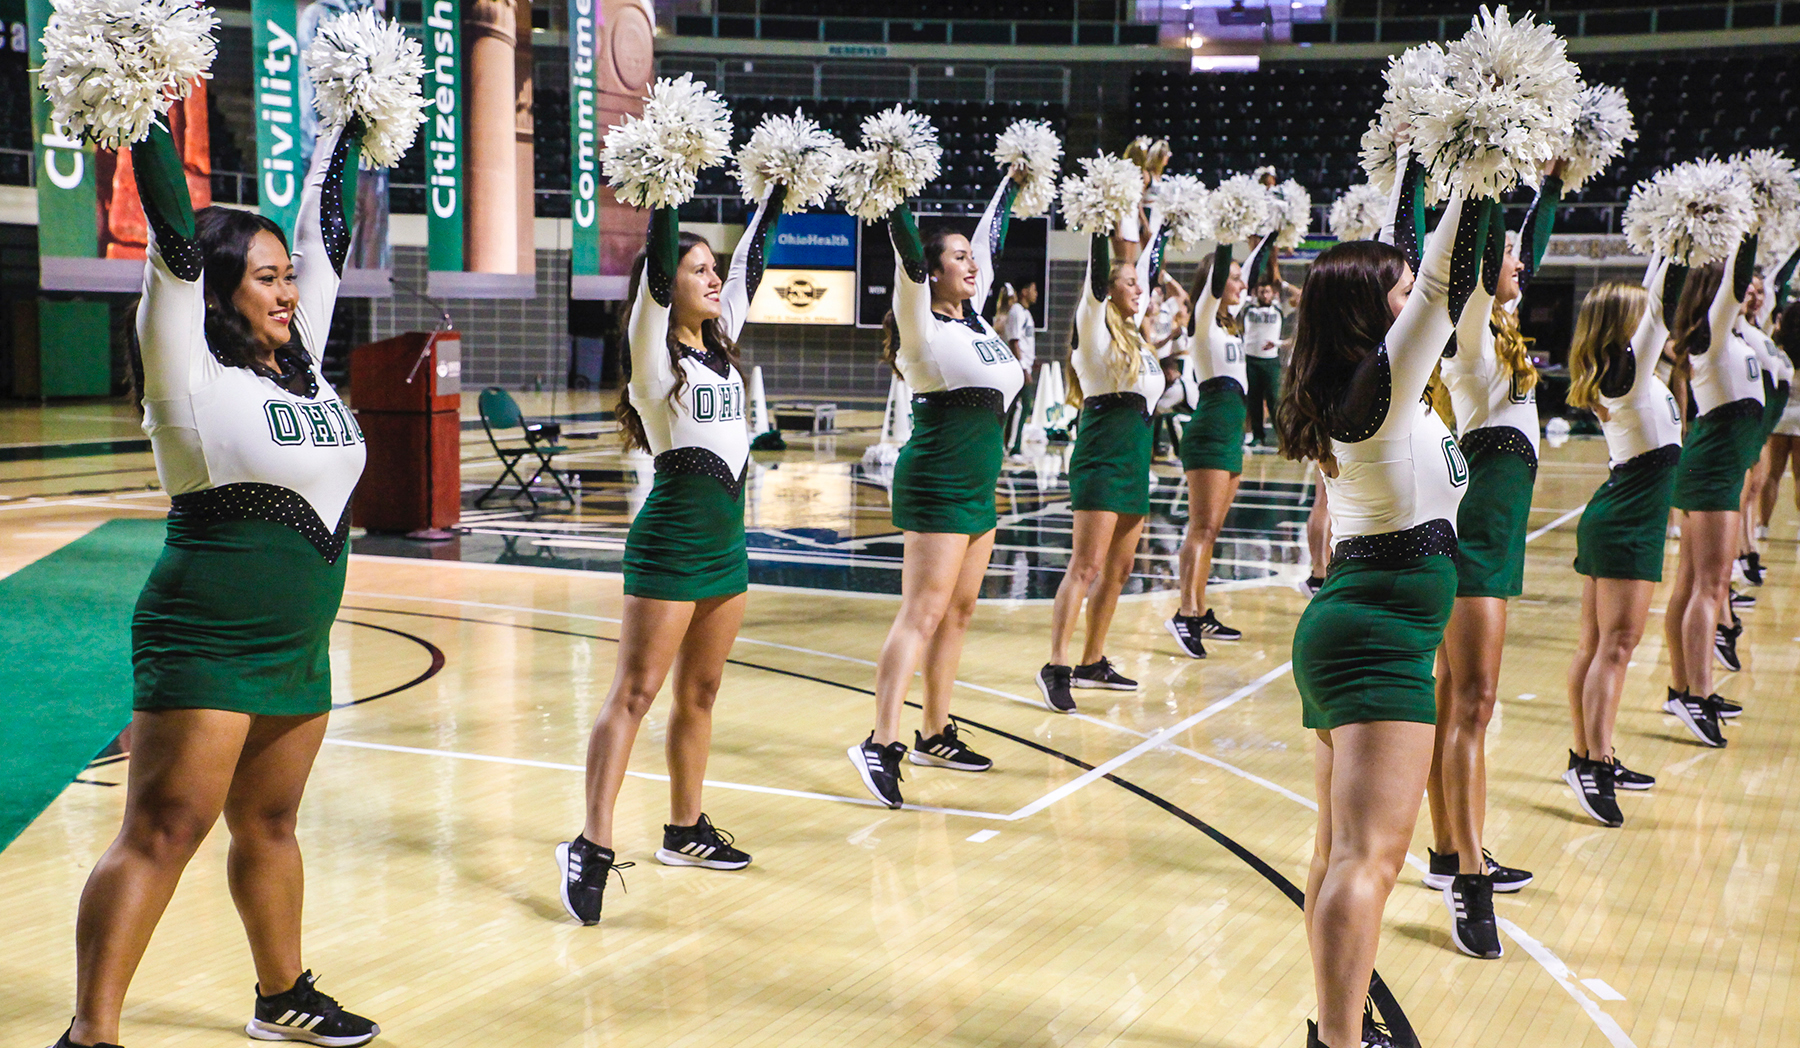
x,y
364,66
1239,209
899,156
1182,201
1774,193
1097,200
113,67
791,151
1410,75
1691,214
1292,210
1030,150
1359,213
655,160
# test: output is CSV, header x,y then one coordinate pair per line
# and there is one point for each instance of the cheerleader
x,y
1109,473
259,457
686,571
1490,380
1778,373
1619,542
1784,442
1722,443
1212,445
1365,345
962,377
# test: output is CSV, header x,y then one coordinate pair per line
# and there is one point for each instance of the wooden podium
x,y
407,393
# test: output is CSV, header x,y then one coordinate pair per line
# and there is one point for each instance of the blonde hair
x,y
1511,347
1152,155
1610,314
1126,343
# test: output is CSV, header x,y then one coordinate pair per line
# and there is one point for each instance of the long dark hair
x,y
933,237
1787,330
1690,334
1343,317
223,236
712,332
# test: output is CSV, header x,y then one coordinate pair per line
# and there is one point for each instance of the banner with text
x,y
584,145
443,137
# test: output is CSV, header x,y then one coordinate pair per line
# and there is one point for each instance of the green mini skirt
x,y
1622,530
1775,402
1494,516
1365,645
236,616
944,478
1719,447
1110,467
1214,437
687,542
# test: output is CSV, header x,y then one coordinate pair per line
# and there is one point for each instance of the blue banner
x,y
814,241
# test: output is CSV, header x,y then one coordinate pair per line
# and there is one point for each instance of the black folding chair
x,y
499,411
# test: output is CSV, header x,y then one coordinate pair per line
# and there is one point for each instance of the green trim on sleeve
x,y
162,181
903,230
664,252
1099,266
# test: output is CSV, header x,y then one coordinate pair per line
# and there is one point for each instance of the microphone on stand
x,y
444,322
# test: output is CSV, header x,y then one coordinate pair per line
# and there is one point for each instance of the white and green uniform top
x,y
693,406
940,354
232,443
1215,354
1262,330
1641,413
1017,326
1093,356
1729,370
1400,472
1775,364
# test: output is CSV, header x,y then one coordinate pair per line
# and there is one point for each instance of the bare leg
x,y
1681,594
1210,492
699,667
1472,646
182,763
1775,455
268,880
649,639
1375,773
943,651
1621,608
1092,541
1708,539
1585,645
1103,599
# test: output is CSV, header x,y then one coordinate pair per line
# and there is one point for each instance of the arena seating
x,y
1307,121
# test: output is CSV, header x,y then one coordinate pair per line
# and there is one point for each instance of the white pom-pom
x,y
1097,200
1776,242
1359,213
1505,111
655,160
1602,126
1263,172
791,151
1408,75
1692,213
1291,207
1238,209
363,65
113,67
1182,201
1032,146
1774,193
900,155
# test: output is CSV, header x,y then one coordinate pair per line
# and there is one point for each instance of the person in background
x,y
1784,443
1270,302
1135,233
1012,315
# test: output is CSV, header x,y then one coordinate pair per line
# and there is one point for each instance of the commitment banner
x,y
584,200
443,139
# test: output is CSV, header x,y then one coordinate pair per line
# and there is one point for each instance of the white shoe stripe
x,y
285,1016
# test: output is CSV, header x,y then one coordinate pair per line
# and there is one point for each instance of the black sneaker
x,y
64,1042
1313,584
584,867
1724,707
1210,626
701,844
1592,782
1742,600
1506,879
1440,868
1186,631
1626,779
1470,900
1753,569
305,1014
1725,647
1101,675
1053,682
879,767
1375,1033
946,750
1698,716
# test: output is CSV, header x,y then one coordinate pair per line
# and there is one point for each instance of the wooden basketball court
x,y
1122,877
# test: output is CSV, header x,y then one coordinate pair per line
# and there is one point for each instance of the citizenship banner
x,y
443,138
584,147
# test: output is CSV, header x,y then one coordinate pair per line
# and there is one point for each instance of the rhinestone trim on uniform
x,y
1424,540
253,500
704,462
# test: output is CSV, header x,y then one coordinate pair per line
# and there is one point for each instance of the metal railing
x,y
1619,21
848,34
